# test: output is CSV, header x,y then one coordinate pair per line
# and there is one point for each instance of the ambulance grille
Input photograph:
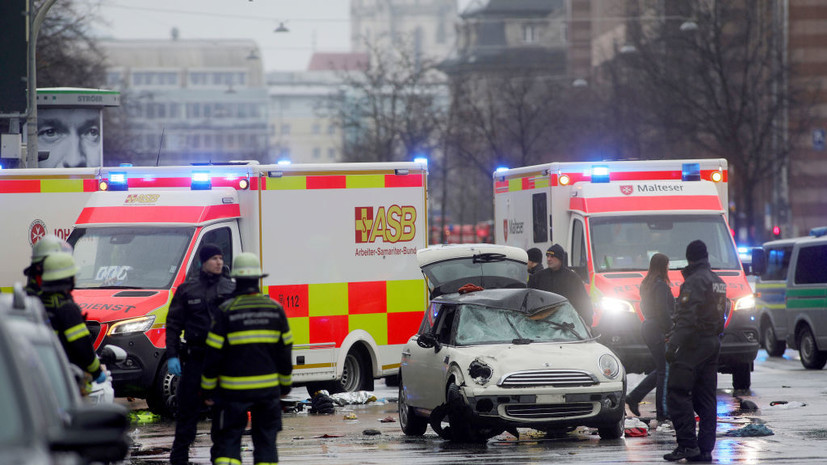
x,y
549,411
556,378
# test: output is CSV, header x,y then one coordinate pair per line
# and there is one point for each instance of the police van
x,y
791,296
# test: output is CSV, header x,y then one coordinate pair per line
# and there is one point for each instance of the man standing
x,y
64,314
560,279
535,259
692,353
248,368
191,311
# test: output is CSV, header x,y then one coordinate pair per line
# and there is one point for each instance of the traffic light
x,y
776,232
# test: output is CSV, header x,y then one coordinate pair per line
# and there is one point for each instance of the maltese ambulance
x,y
611,217
338,241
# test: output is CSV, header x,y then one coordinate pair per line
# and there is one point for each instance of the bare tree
x,y
67,55
718,86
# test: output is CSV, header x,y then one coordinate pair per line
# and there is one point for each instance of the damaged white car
x,y
492,355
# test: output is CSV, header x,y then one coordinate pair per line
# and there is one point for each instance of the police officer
x,y
64,314
692,352
191,311
43,247
248,367
560,279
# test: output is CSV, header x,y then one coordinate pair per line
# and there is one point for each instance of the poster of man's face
x,y
72,136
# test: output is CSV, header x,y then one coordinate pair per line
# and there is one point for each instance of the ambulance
x,y
611,217
338,241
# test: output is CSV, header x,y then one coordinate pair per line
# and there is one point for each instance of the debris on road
x,y
750,430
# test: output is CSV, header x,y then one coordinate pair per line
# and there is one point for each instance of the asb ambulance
x,y
339,242
611,217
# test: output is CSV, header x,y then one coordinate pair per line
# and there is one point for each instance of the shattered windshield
x,y
626,243
487,325
129,257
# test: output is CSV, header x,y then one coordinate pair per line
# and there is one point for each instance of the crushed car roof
x,y
528,301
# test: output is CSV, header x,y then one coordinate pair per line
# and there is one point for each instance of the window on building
x,y
317,153
331,154
529,33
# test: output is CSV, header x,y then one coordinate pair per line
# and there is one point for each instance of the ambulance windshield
x,y
128,257
626,243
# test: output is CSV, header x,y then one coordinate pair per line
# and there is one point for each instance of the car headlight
x,y
745,303
609,366
480,372
135,325
611,305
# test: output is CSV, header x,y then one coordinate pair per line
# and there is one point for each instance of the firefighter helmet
x,y
246,265
48,244
57,266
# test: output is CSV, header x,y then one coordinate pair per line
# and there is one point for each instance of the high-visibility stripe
x,y
287,338
367,297
345,181
406,296
214,340
208,383
327,299
93,367
533,181
258,336
239,383
365,181
227,461
76,332
375,324
327,182
285,380
645,203
158,214
47,185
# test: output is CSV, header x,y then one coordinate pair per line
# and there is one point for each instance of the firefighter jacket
x,y
566,283
192,309
70,326
701,305
249,349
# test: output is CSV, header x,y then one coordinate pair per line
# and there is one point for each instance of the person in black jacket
x,y
64,314
657,305
249,367
692,352
191,311
535,260
560,279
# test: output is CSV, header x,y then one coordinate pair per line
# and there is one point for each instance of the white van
x,y
791,296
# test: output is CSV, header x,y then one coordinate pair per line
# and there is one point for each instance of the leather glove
x,y
174,366
671,351
101,377
321,403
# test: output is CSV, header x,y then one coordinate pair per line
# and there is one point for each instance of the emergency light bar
x,y
201,181
600,174
691,172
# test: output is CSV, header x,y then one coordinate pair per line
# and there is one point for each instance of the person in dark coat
x,y
191,311
692,353
560,279
535,260
657,305
248,368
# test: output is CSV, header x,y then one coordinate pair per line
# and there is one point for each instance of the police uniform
x,y
191,311
692,350
70,326
248,367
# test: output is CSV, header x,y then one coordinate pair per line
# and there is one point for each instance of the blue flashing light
x,y
817,232
201,181
283,162
125,165
501,169
600,174
118,181
421,161
691,172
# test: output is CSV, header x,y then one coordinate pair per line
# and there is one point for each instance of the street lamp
x,y
35,20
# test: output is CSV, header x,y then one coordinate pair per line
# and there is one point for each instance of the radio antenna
x,y
160,145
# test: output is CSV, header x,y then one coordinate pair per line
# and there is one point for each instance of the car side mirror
x,y
96,432
428,340
111,354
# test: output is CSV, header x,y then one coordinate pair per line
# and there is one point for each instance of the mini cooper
x,y
492,355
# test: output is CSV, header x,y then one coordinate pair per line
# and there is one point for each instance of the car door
x,y
425,367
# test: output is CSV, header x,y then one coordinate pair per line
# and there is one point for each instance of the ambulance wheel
x,y
811,357
161,397
357,375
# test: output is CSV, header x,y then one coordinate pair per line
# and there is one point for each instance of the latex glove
x,y
671,351
101,378
174,366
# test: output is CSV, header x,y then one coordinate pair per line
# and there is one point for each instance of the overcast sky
x,y
320,25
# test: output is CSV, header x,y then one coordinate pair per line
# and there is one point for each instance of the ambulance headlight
x,y
745,303
609,305
135,325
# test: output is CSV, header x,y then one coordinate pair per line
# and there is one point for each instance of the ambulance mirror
x,y
759,262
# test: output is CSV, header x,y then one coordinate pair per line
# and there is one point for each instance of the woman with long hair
x,y
657,305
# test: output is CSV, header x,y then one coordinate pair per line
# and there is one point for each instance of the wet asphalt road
x,y
374,436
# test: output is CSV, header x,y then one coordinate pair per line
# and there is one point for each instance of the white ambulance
x,y
339,242
611,217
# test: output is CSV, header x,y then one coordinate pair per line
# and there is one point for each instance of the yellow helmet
x,y
58,265
246,265
48,244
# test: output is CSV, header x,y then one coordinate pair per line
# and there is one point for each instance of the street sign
x,y
818,139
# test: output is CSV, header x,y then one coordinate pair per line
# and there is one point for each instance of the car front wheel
x,y
411,423
613,431
811,357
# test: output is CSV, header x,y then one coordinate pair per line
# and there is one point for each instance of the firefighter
x,y
191,311
560,279
46,245
692,352
248,367
64,314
